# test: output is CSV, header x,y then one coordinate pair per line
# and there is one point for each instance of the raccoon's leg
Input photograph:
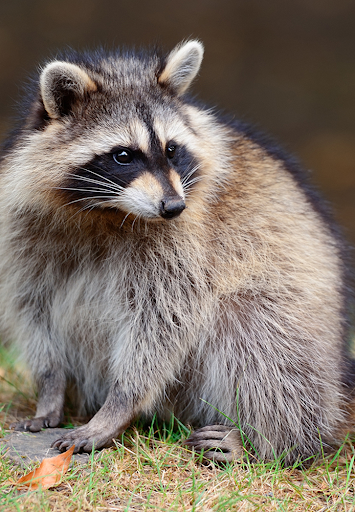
x,y
46,359
108,423
285,376
219,443
140,380
49,413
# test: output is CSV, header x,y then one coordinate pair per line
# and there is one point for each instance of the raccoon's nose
x,y
172,207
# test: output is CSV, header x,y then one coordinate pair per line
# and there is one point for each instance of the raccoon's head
x,y
114,133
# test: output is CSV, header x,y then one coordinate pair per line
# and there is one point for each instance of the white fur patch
x,y
142,197
172,128
132,135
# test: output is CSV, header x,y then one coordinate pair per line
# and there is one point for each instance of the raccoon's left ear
x,y
63,85
182,65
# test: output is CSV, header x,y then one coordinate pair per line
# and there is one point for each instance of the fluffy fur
x,y
202,277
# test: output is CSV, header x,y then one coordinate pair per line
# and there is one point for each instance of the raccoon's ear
x,y
182,65
63,85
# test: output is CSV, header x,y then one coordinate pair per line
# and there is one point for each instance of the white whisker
x,y
95,190
112,183
191,182
125,219
88,199
137,217
193,170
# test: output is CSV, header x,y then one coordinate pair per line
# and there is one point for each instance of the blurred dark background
x,y
287,66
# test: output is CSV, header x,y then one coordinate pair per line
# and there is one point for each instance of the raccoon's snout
x,y
171,207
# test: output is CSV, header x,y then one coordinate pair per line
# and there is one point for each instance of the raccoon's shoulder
x,y
266,153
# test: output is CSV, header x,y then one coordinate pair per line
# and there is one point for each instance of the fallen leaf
x,y
49,472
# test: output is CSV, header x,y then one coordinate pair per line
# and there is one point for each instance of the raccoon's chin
x,y
132,216
153,219
156,218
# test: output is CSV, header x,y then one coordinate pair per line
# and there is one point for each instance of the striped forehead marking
x,y
133,134
171,130
140,133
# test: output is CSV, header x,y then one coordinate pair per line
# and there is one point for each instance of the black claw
x,y
79,445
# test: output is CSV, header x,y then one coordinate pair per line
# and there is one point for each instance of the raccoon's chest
x,y
89,310
96,295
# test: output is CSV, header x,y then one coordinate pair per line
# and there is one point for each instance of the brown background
x,y
286,65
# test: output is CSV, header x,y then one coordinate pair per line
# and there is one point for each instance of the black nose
x,y
172,207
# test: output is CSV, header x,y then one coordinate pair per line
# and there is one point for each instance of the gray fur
x,y
230,313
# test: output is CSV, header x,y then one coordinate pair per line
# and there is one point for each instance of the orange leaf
x,y
49,473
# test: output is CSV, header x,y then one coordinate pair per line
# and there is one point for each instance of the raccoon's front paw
x,y
51,420
85,438
218,442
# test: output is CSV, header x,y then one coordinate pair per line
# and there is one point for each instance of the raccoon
x,y
157,258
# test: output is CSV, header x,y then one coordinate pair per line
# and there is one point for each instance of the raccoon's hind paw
x,y
51,420
219,443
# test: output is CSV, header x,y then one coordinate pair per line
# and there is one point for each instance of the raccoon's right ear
x,y
63,85
182,65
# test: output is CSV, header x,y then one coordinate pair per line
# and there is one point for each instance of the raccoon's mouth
x,y
148,197
136,202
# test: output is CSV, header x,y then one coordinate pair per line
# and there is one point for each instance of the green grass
x,y
149,469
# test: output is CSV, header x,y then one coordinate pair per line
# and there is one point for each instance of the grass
x,y
150,470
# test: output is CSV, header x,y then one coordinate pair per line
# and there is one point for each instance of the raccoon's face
x,y
149,180
119,135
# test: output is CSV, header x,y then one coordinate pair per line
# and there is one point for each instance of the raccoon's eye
x,y
170,150
123,156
